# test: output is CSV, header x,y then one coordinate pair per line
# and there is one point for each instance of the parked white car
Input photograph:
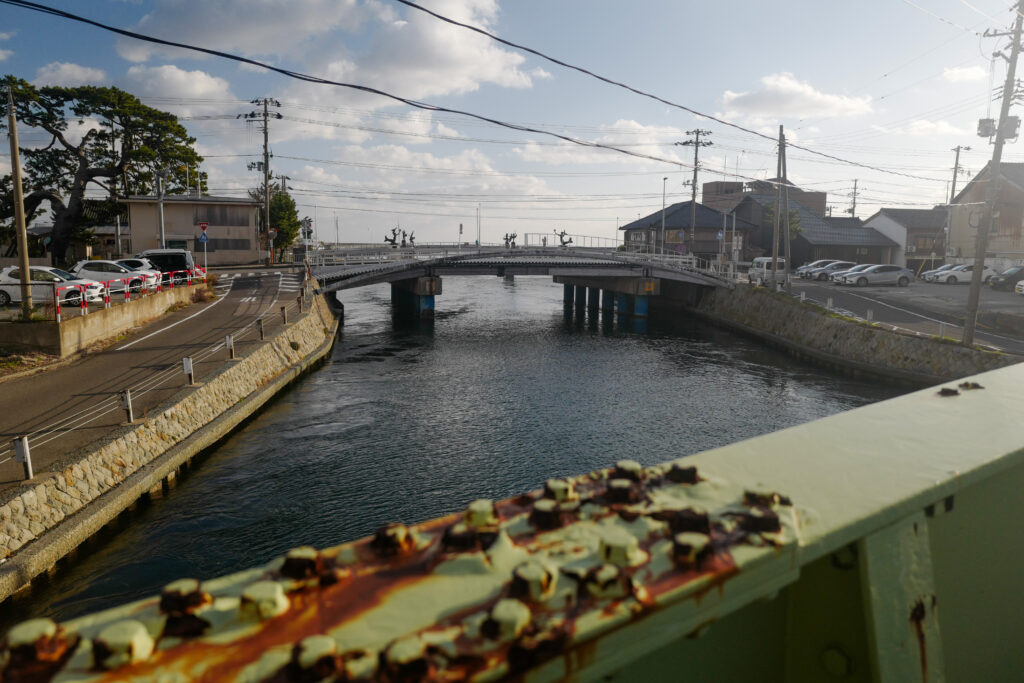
x,y
884,274
929,275
963,274
43,279
143,267
105,271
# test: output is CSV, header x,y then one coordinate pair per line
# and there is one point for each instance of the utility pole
x,y
853,210
697,143
664,181
785,210
160,175
778,211
952,194
19,208
992,192
266,116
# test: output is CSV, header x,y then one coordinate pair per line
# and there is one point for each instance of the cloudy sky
x,y
892,85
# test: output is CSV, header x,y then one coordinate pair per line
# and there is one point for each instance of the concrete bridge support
x,y
581,296
624,302
415,296
593,298
607,300
567,294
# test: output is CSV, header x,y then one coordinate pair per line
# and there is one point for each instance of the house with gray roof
x,y
816,237
713,232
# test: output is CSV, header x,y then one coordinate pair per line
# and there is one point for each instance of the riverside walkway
x,y
63,409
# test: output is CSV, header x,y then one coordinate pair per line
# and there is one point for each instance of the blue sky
x,y
886,83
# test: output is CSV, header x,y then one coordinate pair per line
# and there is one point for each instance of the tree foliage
x,y
102,141
284,218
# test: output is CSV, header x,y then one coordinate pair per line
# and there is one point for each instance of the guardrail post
x,y
126,403
186,364
871,315
229,343
803,296
942,330
828,303
106,295
259,328
83,303
284,314
56,303
298,300
23,455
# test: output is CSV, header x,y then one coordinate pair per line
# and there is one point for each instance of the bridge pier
x,y
624,302
607,300
567,294
581,296
640,306
593,298
415,296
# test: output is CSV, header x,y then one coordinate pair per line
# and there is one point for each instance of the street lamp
x,y
663,182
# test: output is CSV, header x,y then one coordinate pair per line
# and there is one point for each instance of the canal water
x,y
409,421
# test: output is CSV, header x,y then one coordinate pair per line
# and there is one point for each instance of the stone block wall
x,y
39,505
807,328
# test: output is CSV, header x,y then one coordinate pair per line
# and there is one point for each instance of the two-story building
x,y
920,234
231,232
716,235
1005,244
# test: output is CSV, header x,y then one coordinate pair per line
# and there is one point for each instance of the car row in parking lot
x,y
851,273
99,279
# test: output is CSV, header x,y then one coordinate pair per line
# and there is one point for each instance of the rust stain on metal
x,y
917,614
495,590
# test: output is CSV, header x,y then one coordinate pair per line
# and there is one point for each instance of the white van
x,y
761,270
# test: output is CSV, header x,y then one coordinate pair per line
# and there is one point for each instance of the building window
x,y
177,244
222,215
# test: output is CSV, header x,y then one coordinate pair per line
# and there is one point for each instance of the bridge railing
x,y
819,552
543,240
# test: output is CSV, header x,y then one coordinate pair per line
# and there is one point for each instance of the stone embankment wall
x,y
53,498
810,332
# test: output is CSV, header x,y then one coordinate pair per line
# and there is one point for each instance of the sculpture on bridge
x,y
512,239
412,238
403,239
506,240
393,240
561,238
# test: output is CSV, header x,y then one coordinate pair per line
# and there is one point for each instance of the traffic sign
x,y
203,239
204,226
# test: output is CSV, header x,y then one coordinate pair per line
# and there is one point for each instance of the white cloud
x,y
922,127
169,81
656,140
67,75
4,54
782,95
962,74
7,36
269,27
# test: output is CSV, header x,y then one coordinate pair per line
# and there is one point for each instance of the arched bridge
x,y
626,280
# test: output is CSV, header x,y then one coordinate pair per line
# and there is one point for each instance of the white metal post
x,y
23,455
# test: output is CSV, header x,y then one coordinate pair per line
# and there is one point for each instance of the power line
x,y
637,91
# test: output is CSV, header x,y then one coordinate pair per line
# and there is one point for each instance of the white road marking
x,y
153,334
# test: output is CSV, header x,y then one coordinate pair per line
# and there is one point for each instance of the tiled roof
x,y
925,219
678,216
820,231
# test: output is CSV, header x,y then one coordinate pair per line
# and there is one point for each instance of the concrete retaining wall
x,y
127,464
79,332
808,331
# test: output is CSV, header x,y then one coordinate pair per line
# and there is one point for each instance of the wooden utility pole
x,y
19,208
992,192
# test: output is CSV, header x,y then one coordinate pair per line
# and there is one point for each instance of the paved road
x,y
922,307
65,409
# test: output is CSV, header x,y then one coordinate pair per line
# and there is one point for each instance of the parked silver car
x,y
838,276
963,273
834,267
802,270
880,275
105,271
929,275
